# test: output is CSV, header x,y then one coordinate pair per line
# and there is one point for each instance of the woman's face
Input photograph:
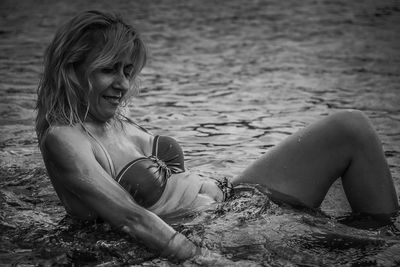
x,y
109,86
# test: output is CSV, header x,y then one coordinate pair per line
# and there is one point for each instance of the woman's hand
x,y
180,248
206,257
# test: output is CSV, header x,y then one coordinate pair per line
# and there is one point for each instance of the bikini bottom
x,y
227,188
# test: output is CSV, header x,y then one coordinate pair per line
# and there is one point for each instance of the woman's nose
x,y
121,82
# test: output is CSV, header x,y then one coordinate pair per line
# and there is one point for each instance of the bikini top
x,y
145,178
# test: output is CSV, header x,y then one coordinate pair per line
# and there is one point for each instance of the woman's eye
x,y
107,70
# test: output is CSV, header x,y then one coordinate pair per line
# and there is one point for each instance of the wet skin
x,y
301,169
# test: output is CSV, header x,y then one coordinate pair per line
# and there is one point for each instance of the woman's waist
x,y
203,186
186,191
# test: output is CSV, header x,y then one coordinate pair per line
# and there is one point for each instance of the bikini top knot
x,y
162,167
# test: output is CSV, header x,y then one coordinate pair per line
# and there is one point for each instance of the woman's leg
x,y
303,167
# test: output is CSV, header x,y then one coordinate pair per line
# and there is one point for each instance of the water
x,y
228,79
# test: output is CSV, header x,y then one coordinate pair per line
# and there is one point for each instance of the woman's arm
x,y
69,155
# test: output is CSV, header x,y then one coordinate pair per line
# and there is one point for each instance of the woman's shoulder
x,y
62,133
64,140
64,129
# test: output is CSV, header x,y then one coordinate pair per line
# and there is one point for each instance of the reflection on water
x,y
228,80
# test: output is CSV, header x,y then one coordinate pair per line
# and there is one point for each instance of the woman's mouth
x,y
113,100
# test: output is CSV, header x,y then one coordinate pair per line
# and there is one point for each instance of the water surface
x,y
228,79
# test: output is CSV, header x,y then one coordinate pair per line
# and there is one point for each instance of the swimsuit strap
x,y
109,159
135,124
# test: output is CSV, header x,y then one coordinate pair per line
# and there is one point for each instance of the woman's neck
x,y
101,125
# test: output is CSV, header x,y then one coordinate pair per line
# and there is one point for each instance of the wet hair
x,y
62,100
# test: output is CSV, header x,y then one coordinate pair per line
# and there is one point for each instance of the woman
x,y
101,164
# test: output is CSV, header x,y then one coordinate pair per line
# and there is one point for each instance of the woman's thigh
x,y
303,166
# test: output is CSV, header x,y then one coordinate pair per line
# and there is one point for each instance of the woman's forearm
x,y
158,235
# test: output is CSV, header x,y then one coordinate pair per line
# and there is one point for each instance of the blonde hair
x,y
61,98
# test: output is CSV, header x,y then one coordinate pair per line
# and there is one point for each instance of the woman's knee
x,y
354,126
